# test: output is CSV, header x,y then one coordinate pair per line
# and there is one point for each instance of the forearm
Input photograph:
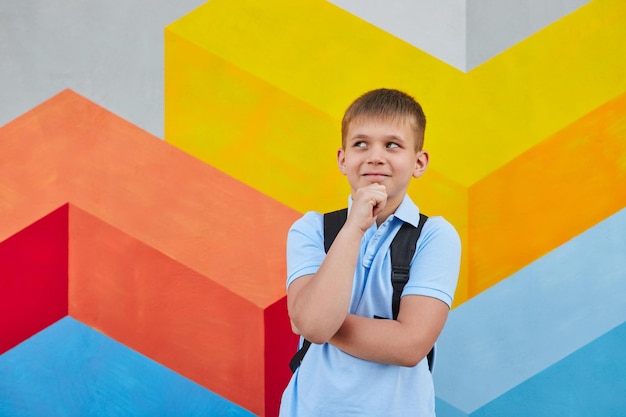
x,y
319,304
379,340
402,342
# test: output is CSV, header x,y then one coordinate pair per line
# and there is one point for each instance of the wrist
x,y
354,228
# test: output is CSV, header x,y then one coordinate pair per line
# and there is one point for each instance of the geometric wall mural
x,y
547,338
142,251
140,241
236,73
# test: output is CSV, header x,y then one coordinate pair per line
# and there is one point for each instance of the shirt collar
x,y
408,212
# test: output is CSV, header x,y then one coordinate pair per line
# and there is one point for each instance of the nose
x,y
375,156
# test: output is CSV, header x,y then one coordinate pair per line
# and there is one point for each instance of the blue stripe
x,y
70,370
589,383
535,318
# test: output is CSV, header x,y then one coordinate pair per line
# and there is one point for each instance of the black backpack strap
x,y
297,358
333,222
402,251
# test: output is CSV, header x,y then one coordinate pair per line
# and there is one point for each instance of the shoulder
x,y
310,225
310,220
439,224
436,263
305,246
439,229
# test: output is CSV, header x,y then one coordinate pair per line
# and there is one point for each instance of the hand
x,y
367,203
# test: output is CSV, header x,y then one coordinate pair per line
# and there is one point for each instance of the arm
x,y
318,304
405,341
423,311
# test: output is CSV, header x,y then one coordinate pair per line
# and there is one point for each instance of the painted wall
x,y
153,155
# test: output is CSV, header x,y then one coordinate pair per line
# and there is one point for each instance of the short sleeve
x,y
305,246
436,263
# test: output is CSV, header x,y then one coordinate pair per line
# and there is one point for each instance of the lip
x,y
376,176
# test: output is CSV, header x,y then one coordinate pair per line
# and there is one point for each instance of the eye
x,y
360,144
392,145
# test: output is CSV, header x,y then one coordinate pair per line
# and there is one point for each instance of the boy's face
x,y
381,151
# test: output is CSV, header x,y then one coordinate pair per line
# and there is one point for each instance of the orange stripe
x,y
69,149
189,261
548,195
166,311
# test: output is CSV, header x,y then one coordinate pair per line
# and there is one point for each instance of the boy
x,y
358,365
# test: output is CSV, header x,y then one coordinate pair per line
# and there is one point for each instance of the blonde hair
x,y
387,104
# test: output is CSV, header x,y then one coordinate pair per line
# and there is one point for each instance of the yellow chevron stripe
x,y
257,90
324,56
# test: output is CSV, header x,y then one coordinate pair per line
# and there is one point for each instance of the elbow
x,y
311,331
411,356
410,361
317,339
315,335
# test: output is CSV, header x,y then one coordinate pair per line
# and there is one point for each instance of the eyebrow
x,y
387,137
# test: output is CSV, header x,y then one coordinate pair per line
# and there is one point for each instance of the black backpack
x,y
402,251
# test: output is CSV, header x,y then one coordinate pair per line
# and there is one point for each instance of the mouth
x,y
376,176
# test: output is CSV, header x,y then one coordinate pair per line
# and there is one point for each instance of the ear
x,y
341,160
421,163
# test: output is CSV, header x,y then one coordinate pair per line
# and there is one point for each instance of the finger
x,y
379,206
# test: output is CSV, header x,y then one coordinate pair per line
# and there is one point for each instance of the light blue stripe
x,y
535,318
72,370
589,383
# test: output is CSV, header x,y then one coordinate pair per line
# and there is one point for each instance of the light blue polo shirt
x,y
330,382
